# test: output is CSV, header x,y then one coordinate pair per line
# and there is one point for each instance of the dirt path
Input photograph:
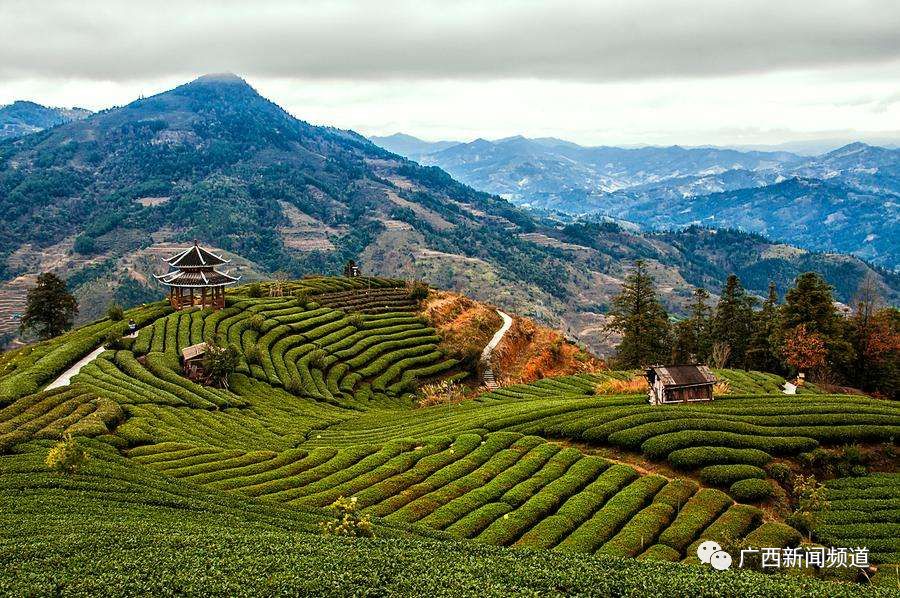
x,y
498,336
488,377
67,376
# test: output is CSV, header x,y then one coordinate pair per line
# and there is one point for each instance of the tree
x,y
66,457
692,335
810,303
50,308
875,336
219,362
733,320
804,350
638,316
762,351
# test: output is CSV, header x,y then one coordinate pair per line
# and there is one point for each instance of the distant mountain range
x,y
101,199
844,200
23,117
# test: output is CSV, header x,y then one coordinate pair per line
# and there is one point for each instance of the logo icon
x,y
711,553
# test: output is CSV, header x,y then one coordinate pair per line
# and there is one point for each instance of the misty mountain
x,y
100,200
665,187
23,118
409,146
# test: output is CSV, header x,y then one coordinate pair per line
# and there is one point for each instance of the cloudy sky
x,y
727,72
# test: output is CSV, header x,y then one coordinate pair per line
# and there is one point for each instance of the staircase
x,y
488,378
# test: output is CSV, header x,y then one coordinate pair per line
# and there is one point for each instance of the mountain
x,y
824,215
409,146
23,117
101,200
664,187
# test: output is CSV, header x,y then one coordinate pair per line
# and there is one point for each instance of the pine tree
x,y
50,308
639,317
692,335
810,303
733,320
762,353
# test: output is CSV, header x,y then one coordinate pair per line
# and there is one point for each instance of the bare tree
x,y
720,354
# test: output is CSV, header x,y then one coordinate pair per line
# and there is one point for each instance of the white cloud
x,y
615,71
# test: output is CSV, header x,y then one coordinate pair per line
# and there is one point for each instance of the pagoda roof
x,y
196,278
196,257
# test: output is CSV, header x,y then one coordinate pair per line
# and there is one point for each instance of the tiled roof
x,y
196,278
196,257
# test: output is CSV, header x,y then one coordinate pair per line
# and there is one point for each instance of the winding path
x,y
488,377
67,376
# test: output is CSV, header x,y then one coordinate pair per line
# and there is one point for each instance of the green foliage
x,y
254,290
638,316
726,475
732,323
66,456
418,291
219,362
50,308
347,520
115,312
751,490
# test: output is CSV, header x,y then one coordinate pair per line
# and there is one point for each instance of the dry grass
x,y
722,387
636,385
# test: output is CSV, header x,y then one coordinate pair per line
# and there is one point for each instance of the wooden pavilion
x,y
193,279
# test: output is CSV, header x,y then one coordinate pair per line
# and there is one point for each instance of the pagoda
x,y
194,280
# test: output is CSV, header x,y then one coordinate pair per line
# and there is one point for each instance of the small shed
x,y
680,383
192,360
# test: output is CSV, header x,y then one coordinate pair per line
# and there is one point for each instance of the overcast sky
x,y
597,72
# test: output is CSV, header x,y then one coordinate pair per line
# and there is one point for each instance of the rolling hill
x,y
23,118
99,200
570,473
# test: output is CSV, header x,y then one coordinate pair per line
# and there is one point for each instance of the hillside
x,y
844,200
23,118
99,200
323,404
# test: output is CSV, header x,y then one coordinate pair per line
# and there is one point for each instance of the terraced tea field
x,y
322,406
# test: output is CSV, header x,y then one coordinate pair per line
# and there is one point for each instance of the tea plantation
x,y
218,490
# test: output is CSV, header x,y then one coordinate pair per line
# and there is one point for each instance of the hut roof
x,y
682,375
196,257
193,351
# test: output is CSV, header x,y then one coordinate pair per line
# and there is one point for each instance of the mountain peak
x,y
217,78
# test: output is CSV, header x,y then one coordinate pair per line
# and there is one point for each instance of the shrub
x,y
113,340
751,490
699,456
257,322
254,290
66,457
115,312
726,475
347,520
780,472
253,355
418,291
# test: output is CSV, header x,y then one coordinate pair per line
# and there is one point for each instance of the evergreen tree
x,y
810,303
692,335
639,317
50,308
762,353
732,323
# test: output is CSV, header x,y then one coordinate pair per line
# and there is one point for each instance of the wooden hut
x,y
193,278
680,383
192,360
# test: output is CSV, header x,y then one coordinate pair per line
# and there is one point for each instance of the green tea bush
x,y
700,456
751,490
726,475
